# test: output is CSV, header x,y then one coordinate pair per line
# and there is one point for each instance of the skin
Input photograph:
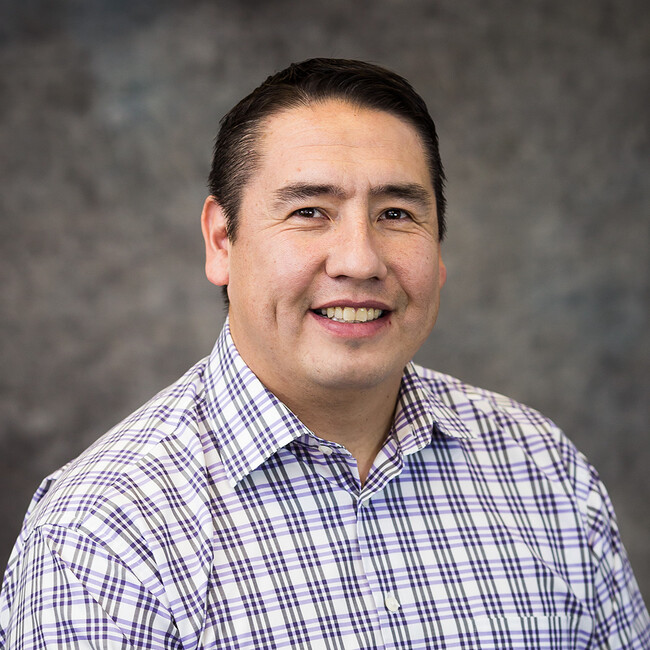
x,y
341,212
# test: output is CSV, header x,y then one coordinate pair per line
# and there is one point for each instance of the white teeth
x,y
350,314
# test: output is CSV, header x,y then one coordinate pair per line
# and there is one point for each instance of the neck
x,y
358,420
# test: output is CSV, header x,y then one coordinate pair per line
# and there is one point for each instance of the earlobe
x,y
217,245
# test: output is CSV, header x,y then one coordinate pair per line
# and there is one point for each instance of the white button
x,y
392,604
328,451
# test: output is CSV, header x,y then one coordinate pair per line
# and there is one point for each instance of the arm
x,y
62,589
622,619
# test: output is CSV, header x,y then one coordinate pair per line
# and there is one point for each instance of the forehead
x,y
334,138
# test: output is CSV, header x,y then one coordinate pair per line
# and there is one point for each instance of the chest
x,y
441,557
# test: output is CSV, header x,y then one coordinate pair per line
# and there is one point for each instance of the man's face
x,y
335,274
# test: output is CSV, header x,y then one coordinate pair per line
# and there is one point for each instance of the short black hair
x,y
365,85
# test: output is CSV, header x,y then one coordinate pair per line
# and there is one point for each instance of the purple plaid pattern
x,y
212,518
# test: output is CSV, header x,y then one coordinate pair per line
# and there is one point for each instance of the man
x,y
307,486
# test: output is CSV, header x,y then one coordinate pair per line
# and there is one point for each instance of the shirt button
x,y
392,604
324,449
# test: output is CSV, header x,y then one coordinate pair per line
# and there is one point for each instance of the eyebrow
x,y
302,191
411,192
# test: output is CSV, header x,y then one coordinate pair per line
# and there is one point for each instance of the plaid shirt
x,y
213,518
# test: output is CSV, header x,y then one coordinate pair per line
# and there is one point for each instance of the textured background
x,y
107,115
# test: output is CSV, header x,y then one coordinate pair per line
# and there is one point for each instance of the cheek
x,y
275,273
419,276
291,271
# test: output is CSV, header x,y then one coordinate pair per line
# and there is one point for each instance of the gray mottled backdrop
x,y
107,115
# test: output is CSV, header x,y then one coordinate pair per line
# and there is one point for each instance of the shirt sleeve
x,y
64,590
622,619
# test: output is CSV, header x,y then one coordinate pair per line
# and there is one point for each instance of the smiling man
x,y
307,485
335,271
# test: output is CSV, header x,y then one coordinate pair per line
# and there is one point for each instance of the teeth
x,y
350,314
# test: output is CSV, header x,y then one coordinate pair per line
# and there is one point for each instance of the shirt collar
x,y
421,413
249,424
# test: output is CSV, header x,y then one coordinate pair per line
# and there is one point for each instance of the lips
x,y
350,314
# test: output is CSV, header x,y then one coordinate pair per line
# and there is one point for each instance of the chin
x,y
356,377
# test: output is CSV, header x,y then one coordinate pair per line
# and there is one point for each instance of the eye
x,y
395,214
307,213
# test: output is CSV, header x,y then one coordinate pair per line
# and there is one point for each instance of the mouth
x,y
350,314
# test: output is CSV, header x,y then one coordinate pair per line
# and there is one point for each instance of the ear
x,y
442,273
217,245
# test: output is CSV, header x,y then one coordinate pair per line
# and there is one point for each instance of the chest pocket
x,y
534,632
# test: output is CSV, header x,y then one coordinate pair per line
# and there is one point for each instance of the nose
x,y
355,250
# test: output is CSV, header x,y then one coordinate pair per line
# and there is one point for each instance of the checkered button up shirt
x,y
213,518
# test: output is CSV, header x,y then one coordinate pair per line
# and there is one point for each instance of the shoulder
x,y
132,515
499,423
453,390
154,451
471,401
508,433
